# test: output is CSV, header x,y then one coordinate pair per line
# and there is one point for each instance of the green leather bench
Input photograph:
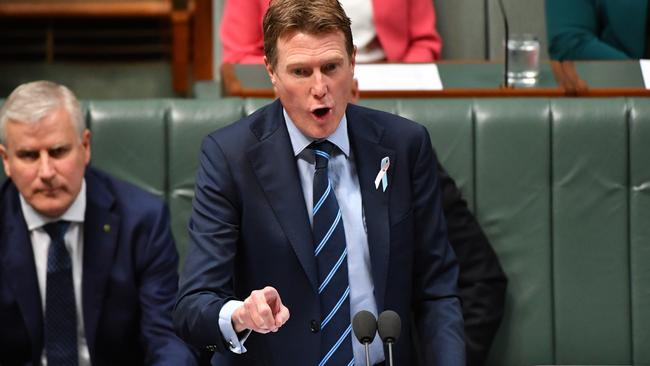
x,y
561,187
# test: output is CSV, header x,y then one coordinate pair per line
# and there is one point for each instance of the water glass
x,y
523,59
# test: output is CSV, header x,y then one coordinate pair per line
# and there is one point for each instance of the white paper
x,y
645,70
398,77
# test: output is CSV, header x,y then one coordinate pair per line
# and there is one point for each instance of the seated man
x,y
481,281
88,272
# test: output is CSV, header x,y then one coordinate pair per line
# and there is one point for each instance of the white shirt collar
x,y
299,141
74,213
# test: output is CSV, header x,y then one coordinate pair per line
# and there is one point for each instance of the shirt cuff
x,y
234,341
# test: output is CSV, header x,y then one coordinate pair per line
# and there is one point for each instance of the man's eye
x,y
329,67
27,155
299,72
58,152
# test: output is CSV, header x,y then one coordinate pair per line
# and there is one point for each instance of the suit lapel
x,y
100,241
18,259
365,139
274,165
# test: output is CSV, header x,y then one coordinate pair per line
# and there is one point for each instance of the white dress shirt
x,y
74,243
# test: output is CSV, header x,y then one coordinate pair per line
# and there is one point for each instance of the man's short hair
x,y
313,17
31,102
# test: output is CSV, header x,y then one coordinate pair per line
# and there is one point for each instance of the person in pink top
x,y
383,30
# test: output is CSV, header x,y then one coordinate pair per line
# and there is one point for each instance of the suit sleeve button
x,y
314,326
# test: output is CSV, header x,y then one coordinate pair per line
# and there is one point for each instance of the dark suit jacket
x,y
481,281
129,279
250,228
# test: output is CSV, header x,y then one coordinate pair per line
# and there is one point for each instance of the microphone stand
x,y
505,27
390,353
366,344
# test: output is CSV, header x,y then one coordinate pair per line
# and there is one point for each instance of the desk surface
x,y
608,78
480,79
458,79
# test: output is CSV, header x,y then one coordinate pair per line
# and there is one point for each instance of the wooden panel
x,y
180,50
177,13
203,41
139,8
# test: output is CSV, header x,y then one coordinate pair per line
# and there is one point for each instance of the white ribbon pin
x,y
382,175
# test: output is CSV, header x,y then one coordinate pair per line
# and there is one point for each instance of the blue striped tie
x,y
331,258
60,310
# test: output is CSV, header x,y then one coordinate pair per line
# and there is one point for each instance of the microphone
x,y
506,36
390,326
364,325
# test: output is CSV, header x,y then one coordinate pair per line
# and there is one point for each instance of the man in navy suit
x,y
252,289
88,263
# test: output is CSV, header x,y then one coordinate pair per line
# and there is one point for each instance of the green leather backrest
x,y
128,140
560,186
511,138
590,217
639,229
449,133
562,189
189,122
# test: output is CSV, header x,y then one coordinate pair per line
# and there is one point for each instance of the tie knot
x,y
56,230
322,152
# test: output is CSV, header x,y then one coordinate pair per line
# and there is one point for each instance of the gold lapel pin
x,y
107,228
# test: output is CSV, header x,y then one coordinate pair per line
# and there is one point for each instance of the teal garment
x,y
596,29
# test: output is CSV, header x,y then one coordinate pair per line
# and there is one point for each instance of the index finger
x,y
272,298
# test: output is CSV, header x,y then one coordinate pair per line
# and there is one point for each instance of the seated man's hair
x,y
31,102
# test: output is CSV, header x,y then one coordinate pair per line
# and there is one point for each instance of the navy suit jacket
x,y
129,279
250,228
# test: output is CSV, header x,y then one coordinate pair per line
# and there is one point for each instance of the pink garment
x,y
406,30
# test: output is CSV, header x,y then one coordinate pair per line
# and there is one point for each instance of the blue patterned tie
x,y
60,310
331,258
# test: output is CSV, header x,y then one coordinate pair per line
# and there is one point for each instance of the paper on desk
x,y
645,70
398,77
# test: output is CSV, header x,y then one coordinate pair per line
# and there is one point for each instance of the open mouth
x,y
321,112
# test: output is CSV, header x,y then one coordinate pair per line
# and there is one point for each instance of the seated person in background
x,y
89,266
597,29
383,30
481,281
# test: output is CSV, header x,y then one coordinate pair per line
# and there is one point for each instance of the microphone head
x,y
364,325
390,326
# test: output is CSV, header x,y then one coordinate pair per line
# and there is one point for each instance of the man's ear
x,y
85,142
5,160
269,70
